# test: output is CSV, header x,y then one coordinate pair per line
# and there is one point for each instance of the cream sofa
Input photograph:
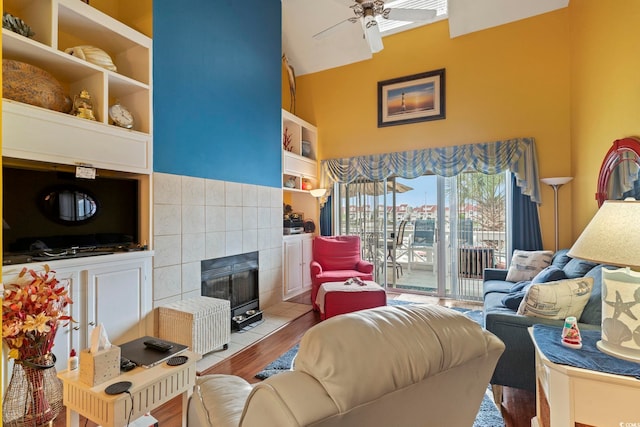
x,y
419,365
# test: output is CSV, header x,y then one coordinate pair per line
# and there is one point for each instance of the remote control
x,y
158,345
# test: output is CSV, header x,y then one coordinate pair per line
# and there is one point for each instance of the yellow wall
x,y
136,14
509,81
605,100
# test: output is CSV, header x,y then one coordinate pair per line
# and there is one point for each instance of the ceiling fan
x,y
366,12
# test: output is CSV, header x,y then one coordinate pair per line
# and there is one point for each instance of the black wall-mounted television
x,y
28,226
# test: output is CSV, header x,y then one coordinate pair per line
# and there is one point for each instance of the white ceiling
x,y
301,19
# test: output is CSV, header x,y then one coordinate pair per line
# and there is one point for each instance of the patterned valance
x,y
516,155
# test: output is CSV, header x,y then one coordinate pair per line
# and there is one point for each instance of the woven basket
x,y
34,395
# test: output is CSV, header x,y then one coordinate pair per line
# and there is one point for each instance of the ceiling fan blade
x,y
334,28
410,15
372,34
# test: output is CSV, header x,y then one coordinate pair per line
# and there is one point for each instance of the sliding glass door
x,y
431,234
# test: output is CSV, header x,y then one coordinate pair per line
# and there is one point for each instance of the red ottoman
x,y
345,297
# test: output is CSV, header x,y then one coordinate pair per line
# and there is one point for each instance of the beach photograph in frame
x,y
411,99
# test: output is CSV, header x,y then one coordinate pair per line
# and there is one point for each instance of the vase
x,y
34,395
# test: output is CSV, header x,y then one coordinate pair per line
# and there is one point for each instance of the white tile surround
x,y
197,218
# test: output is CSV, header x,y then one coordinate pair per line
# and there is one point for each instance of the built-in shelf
x,y
299,148
34,133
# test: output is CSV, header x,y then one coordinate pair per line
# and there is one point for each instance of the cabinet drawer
x,y
35,133
298,165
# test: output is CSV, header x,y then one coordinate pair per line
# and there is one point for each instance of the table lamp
x,y
613,237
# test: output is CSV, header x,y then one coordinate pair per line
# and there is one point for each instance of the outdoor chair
x,y
393,245
422,241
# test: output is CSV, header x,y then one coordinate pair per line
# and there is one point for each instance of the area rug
x,y
488,415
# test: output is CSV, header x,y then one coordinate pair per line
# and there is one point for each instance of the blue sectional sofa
x,y
516,367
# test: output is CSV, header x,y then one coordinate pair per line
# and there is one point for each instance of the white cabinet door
x,y
292,267
118,296
297,264
68,337
307,257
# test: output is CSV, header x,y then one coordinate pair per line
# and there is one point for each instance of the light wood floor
x,y
518,405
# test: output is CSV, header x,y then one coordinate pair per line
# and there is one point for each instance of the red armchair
x,y
336,259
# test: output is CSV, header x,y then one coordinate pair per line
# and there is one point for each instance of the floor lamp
x,y
556,183
318,193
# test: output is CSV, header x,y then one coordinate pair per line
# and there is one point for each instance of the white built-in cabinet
x,y
114,290
299,175
297,264
35,133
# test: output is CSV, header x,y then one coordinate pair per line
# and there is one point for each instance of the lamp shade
x,y
560,180
318,192
612,236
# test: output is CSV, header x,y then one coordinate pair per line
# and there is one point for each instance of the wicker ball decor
x,y
32,85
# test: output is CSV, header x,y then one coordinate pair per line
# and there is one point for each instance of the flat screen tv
x,y
45,209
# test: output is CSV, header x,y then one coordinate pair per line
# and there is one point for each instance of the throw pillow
x,y
561,258
526,264
519,286
557,300
549,274
577,268
513,299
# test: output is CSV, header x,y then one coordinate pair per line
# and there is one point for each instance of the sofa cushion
x,y
499,286
526,264
557,300
577,268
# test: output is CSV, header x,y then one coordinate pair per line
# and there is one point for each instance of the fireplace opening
x,y
234,278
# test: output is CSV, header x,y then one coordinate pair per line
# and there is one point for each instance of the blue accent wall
x,y
216,90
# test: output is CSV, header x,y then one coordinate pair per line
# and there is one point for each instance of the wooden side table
x,y
569,396
150,389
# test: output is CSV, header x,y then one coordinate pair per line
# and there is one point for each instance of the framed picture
x,y
411,99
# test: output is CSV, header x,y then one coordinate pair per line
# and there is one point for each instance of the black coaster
x,y
117,388
177,360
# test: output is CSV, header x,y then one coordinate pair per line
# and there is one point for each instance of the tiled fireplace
x,y
195,219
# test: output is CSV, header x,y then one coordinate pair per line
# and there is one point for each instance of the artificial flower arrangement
x,y
31,309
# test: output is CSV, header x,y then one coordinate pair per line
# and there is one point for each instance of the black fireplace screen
x,y
234,278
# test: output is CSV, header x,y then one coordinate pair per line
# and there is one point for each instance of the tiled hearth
x,y
197,218
274,318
